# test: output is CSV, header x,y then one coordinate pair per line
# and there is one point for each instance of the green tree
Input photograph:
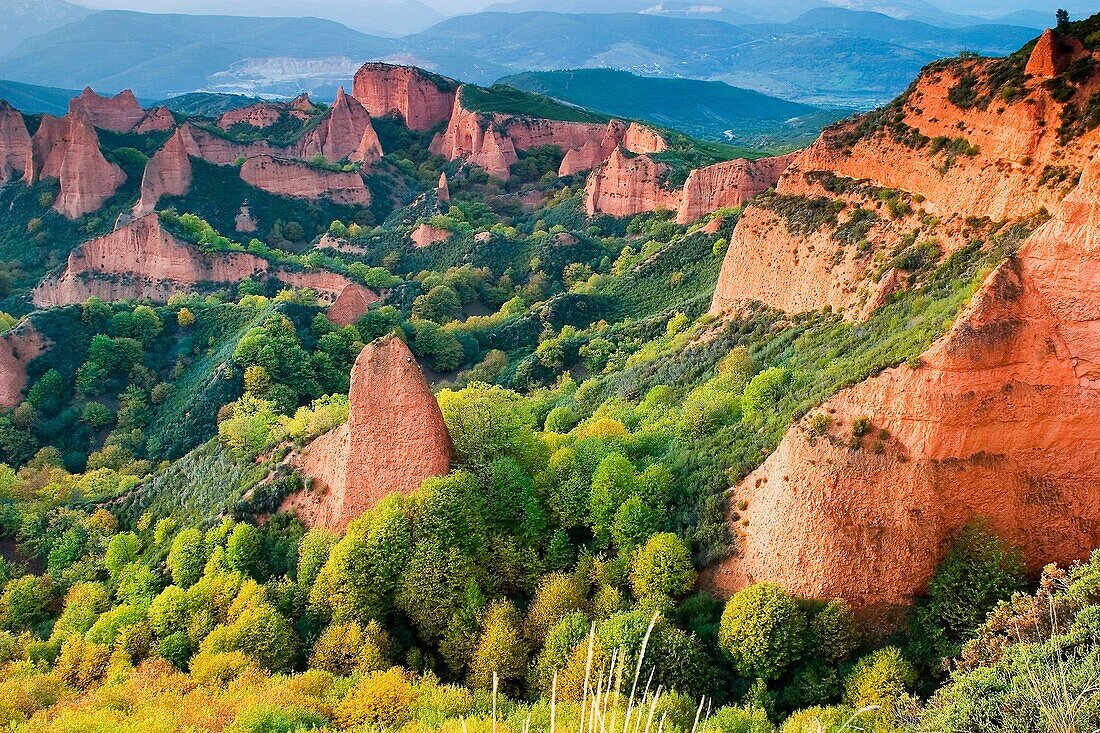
x,y
764,391
880,679
187,557
242,551
662,569
500,649
440,304
122,550
763,631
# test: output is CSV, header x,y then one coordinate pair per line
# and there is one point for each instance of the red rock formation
x,y
299,180
344,132
492,141
143,261
1011,148
1052,55
259,115
158,119
731,183
302,103
120,113
168,172
87,178
419,99
442,190
15,143
18,347
426,234
47,150
998,424
243,221
351,304
394,438
624,186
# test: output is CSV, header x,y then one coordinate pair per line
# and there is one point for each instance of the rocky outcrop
x,y
168,172
492,141
244,221
422,100
87,178
442,190
48,147
259,115
344,132
1052,55
626,185
268,167
394,438
15,143
158,119
120,113
18,347
426,234
144,261
1002,162
998,424
296,179
352,303
728,184
67,148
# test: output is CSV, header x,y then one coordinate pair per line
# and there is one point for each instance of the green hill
x,y
33,99
710,110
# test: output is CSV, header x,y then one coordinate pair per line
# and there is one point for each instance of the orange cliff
x,y
351,304
492,141
120,113
998,424
344,132
626,186
394,438
948,164
144,261
15,143
18,347
422,100
297,179
67,148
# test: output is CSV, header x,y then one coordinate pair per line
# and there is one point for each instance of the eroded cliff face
x,y
394,438
344,132
144,261
625,186
997,160
297,179
15,143
120,113
67,148
87,178
998,424
492,141
384,89
728,184
18,347
351,304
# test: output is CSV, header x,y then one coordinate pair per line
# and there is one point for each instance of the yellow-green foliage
x,y
382,699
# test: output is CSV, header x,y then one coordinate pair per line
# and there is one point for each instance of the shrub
x,y
764,391
381,699
880,679
763,631
662,569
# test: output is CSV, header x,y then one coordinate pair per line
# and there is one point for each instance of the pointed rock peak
x,y
1052,55
442,190
340,95
302,102
394,439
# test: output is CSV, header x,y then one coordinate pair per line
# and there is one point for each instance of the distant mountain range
x,y
708,110
825,56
